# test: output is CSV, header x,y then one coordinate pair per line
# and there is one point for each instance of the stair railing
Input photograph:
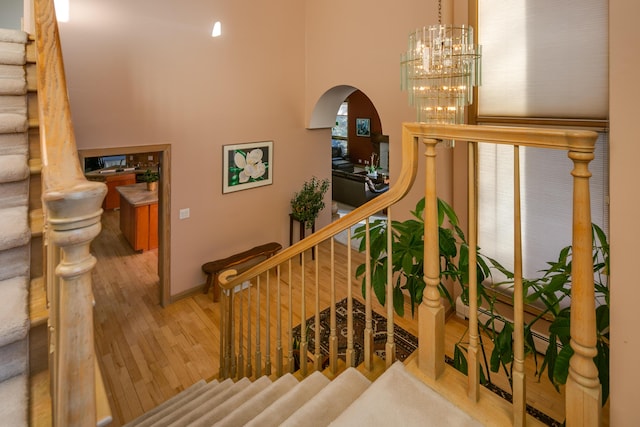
x,y
289,270
72,218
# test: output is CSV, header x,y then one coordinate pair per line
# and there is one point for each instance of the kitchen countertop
x,y
137,194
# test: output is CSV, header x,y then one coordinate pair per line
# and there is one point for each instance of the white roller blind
x,y
546,202
544,58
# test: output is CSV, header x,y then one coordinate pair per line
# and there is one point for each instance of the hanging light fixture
x,y
440,70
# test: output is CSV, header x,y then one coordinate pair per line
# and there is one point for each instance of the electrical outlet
x,y
150,157
184,213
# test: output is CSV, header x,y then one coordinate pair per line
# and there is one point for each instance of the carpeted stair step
x,y
15,400
14,143
190,400
12,47
252,407
209,415
14,227
169,405
13,114
14,182
330,401
399,398
13,80
211,396
14,326
14,261
282,408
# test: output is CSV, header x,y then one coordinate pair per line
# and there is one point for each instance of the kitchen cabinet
x,y
139,216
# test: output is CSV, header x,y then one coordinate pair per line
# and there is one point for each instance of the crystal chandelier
x,y
440,70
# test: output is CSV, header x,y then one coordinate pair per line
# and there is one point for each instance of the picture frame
x,y
363,127
246,165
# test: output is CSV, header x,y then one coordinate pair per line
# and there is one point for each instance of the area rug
x,y
405,342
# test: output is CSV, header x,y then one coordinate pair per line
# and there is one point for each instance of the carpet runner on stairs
x,y
395,398
15,235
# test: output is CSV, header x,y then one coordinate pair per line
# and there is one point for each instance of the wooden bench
x,y
241,261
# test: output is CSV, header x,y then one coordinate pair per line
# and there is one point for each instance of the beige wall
x,y
625,205
147,72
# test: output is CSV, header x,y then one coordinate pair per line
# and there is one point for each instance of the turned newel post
x,y
431,311
583,390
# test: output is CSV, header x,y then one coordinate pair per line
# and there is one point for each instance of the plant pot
x,y
152,186
373,175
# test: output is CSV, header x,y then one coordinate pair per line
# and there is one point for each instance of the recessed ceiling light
x,y
217,29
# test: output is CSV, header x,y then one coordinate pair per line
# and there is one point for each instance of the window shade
x,y
546,202
544,58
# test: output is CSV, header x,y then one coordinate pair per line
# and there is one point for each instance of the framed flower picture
x,y
247,166
363,127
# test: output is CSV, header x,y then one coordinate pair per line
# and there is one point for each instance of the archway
x,y
357,143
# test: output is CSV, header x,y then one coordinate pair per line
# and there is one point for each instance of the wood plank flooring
x,y
148,353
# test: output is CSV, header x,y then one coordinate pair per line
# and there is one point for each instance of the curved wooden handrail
x,y
573,140
396,192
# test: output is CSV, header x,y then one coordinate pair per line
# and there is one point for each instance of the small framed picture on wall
x,y
363,127
247,166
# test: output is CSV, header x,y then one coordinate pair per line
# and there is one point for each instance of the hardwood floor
x,y
149,353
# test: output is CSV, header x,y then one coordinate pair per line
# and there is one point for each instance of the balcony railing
x,y
291,283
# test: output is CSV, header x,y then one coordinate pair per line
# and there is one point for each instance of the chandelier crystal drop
x,y
439,70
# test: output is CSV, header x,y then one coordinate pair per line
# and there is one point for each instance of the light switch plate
x,y
184,213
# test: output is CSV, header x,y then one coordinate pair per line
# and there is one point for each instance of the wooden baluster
x,y
390,347
431,311
241,335
333,336
267,349
303,322
583,389
279,354
227,333
258,363
249,366
232,337
223,316
518,375
291,358
368,324
317,356
473,387
350,355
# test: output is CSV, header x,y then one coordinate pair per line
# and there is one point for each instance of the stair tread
x,y
399,398
14,227
14,320
168,404
211,395
217,412
13,167
13,123
331,400
38,311
252,407
14,397
286,405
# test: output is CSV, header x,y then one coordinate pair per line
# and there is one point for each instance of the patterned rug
x,y
405,343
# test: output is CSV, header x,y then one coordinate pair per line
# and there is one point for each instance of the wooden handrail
x,y
72,211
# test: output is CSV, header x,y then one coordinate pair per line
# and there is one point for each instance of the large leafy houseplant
x,y
550,288
309,201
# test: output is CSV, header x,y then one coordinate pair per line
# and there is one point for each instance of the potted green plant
x,y
550,288
151,178
309,201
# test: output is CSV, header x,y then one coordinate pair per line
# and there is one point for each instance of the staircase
x,y
15,233
395,398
